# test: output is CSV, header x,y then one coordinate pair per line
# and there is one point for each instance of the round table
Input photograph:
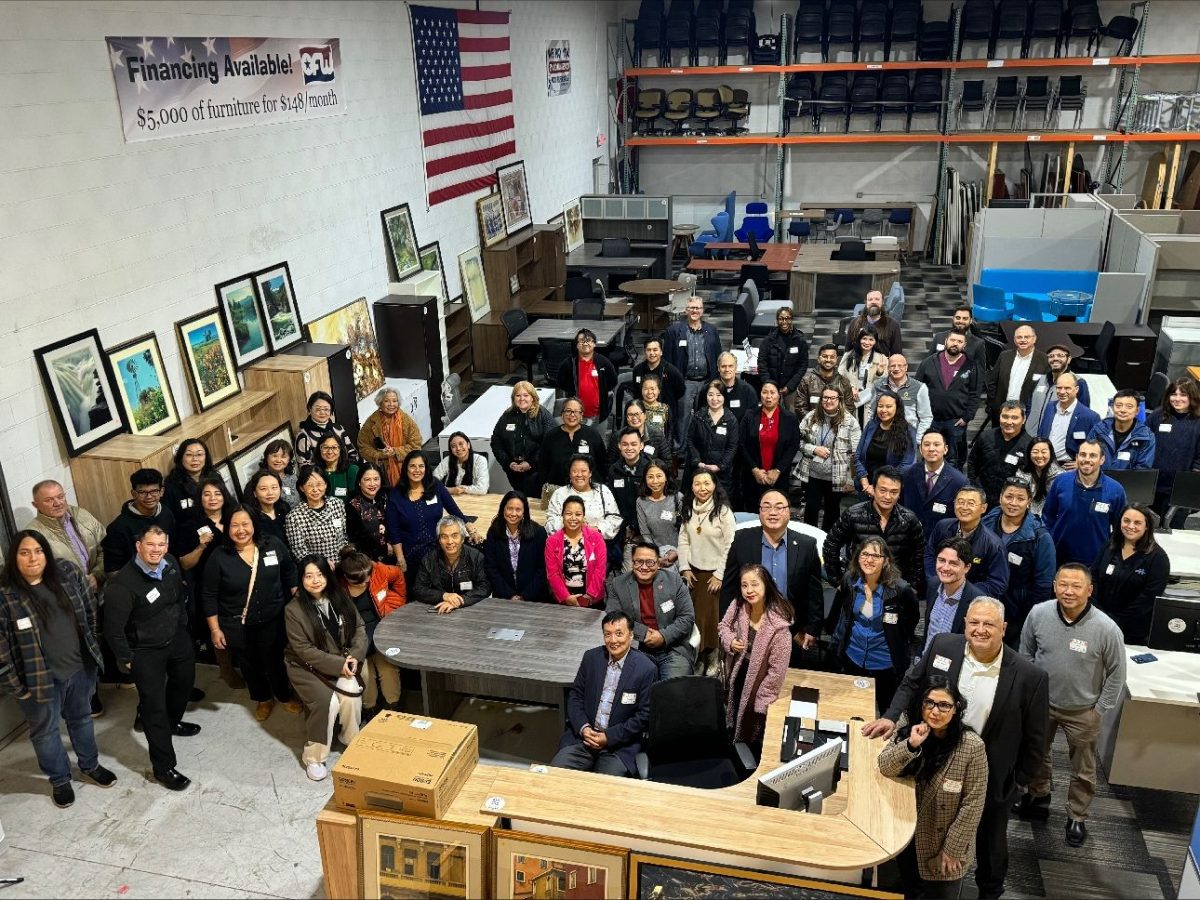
x,y
1070,304
684,234
650,292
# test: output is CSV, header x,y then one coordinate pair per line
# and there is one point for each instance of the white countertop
x,y
1183,547
1172,678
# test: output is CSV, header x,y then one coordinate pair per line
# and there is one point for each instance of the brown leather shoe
x,y
295,707
263,711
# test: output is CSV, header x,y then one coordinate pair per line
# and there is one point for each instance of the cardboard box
x,y
408,764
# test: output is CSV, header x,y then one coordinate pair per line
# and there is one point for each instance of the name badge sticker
x,y
938,507
941,347
381,593
510,427
793,349
952,787
1124,455
432,501
813,399
629,698
891,618
270,559
1011,459
667,515
668,606
942,663
336,522
1100,506
721,429
339,492
1111,568
649,451
585,447
595,374
683,342
618,482
24,624
735,404
203,530
1015,559
153,595
1079,645
1080,435
466,585
1165,427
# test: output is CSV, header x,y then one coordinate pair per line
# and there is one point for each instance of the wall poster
x,y
558,68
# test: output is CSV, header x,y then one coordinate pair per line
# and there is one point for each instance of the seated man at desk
x,y
660,606
608,706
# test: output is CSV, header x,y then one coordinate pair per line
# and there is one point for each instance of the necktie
x,y
930,478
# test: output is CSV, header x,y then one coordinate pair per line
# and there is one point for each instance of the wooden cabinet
x,y
340,366
410,343
292,379
458,342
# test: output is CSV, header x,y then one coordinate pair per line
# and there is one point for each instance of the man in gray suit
x,y
659,605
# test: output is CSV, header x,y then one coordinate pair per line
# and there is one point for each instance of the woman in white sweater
x,y
462,470
599,505
705,536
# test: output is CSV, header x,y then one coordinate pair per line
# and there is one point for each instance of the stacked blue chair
x,y
988,304
755,222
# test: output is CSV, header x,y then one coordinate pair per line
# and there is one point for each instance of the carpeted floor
x,y
1137,838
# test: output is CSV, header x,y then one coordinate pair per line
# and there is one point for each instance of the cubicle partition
x,y
1163,245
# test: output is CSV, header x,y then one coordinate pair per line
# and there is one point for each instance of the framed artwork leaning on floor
x,y
406,856
533,865
144,390
83,394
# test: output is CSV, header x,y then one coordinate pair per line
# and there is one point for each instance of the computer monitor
x,y
1185,493
804,782
1138,483
1176,625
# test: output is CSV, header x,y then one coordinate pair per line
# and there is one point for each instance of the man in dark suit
x,y
791,559
1007,705
1026,363
929,489
659,605
608,706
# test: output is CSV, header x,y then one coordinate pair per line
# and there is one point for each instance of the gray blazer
x,y
672,601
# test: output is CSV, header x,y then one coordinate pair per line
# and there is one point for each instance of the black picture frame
x,y
83,390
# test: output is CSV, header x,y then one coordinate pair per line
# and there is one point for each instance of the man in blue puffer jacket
x,y
1127,443
1029,552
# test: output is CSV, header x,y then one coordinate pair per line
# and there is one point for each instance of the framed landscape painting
x,y
474,285
144,390
244,463
431,261
573,216
660,876
83,393
207,358
278,299
533,865
225,469
404,856
514,194
490,212
238,303
403,256
351,325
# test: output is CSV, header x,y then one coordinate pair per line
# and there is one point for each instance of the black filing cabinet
x,y
410,344
341,377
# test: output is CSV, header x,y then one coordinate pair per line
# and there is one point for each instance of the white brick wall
x,y
131,238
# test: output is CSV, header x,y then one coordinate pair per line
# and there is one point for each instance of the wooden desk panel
x,y
484,507
777,258
563,309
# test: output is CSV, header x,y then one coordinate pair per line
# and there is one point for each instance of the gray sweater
x,y
1084,659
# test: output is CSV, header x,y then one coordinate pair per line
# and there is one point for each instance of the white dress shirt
x,y
1059,426
1016,375
977,683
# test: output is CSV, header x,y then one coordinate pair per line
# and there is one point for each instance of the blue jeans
x,y
671,662
72,701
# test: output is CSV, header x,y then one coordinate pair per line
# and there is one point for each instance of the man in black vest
x,y
146,624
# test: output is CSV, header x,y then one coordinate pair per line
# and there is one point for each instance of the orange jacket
x,y
387,588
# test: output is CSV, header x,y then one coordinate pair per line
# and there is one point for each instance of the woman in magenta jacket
x,y
576,559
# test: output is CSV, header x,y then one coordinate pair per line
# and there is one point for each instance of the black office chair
x,y
1069,96
1139,484
1005,97
872,25
1096,362
578,287
687,742
840,26
554,352
615,246
1156,390
515,321
760,275
1036,97
977,22
850,250
1081,20
1012,23
1045,21
800,91
589,308
1123,28
648,31
743,317
756,252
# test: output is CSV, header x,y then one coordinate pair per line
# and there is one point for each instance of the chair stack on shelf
x,y
809,27
1012,24
707,33
799,93
1082,19
649,30
935,41
872,25
893,97
905,26
864,98
833,98
926,97
679,32
739,33
978,23
840,26
1069,95
652,103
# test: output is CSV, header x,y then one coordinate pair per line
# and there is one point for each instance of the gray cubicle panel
x,y
1119,296
1042,238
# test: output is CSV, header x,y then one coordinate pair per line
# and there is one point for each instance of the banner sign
x,y
558,67
174,86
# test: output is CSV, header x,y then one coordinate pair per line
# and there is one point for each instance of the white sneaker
x,y
317,771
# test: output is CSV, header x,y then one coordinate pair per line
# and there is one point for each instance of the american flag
x,y
464,84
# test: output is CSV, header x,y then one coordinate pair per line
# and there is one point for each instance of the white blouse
x,y
479,474
599,510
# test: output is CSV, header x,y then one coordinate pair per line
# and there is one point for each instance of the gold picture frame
x,y
406,856
701,881
534,865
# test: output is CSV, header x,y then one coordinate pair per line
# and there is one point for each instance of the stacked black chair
x,y
681,18
905,26
972,99
652,103
765,50
1123,29
1045,21
707,33
978,23
800,91
834,97
1069,97
1082,19
1012,23
1036,97
649,31
809,26
935,41
893,97
840,25
926,95
1005,98
739,29
864,97
872,24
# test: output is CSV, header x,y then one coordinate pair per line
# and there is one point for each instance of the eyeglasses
x,y
645,563
867,554
572,412
320,408
149,492
942,706
582,341
773,507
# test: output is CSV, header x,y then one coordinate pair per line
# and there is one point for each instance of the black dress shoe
x,y
101,776
196,695
1031,807
172,780
64,795
185,729
97,705
137,723
1076,832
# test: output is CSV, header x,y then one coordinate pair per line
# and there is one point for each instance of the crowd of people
x,y
1023,559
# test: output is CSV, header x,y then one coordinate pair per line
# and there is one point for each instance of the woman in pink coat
x,y
755,635
576,559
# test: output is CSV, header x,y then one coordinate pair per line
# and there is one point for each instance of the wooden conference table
x,y
814,264
483,508
776,257
648,293
587,259
607,331
564,309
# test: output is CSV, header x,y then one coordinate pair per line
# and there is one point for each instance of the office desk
x,y
607,331
1130,355
588,260
1152,739
1101,390
484,507
564,309
865,275
455,656
1183,547
776,257
478,421
868,820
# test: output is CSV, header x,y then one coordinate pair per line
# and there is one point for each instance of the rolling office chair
x,y
755,223
578,287
679,109
708,110
554,352
588,308
736,105
850,250
515,321
652,103
1157,389
1096,362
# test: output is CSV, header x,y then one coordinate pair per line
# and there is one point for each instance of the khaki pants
x,y
1082,728
389,681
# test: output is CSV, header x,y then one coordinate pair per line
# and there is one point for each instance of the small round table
x,y
1070,304
650,293
684,234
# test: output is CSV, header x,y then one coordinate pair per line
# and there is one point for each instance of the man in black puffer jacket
x,y
881,516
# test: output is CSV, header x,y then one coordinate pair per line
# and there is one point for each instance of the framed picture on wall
x,y
225,469
431,261
238,302
474,285
405,856
490,212
245,462
84,395
514,194
401,236
661,876
351,325
532,865
573,217
144,390
280,312
207,358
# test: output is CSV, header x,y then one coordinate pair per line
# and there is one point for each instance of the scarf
x,y
701,511
393,436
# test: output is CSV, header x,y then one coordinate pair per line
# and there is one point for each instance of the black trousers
x,y
918,888
991,848
820,497
261,661
886,682
528,483
164,677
